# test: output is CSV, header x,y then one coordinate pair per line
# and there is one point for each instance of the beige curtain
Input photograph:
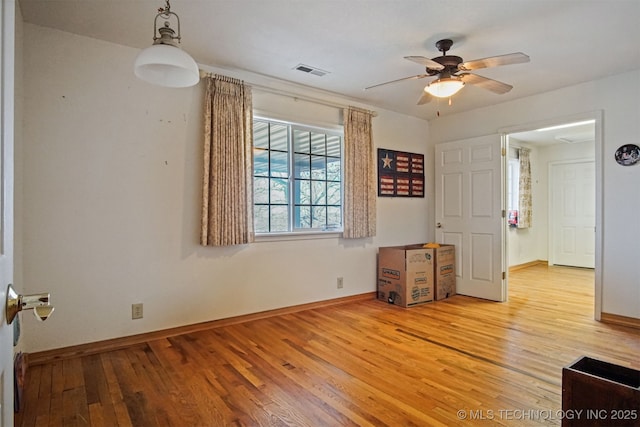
x,y
359,176
227,197
524,188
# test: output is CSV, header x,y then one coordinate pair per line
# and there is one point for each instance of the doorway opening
x,y
564,162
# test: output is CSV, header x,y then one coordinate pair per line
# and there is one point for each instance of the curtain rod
x,y
297,97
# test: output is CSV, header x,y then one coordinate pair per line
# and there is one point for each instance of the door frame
x,y
596,115
7,125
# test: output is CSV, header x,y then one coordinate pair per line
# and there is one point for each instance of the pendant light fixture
x,y
164,63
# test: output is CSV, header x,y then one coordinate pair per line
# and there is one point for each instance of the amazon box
x,y
445,271
406,275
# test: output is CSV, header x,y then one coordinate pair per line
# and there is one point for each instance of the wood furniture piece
x,y
597,393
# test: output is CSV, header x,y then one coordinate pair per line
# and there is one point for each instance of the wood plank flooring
x,y
461,361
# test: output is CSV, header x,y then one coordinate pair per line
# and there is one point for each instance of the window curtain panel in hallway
x,y
359,179
227,197
524,188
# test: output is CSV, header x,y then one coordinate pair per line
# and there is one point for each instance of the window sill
x,y
309,235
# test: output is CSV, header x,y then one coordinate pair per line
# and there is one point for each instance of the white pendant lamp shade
x,y
444,87
166,65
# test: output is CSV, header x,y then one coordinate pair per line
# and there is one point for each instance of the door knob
x,y
439,225
39,303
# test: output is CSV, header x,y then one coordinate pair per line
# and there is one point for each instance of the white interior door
x,y
573,214
469,177
6,205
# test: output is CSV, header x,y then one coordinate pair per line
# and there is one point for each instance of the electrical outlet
x,y
340,283
136,311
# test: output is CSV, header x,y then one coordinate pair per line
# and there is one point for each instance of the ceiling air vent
x,y
310,70
575,138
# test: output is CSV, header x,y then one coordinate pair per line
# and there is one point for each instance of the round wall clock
x,y
628,155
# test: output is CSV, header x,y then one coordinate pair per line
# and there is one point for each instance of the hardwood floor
x,y
461,361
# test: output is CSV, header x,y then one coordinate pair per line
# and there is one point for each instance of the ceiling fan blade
x,y
419,76
429,63
486,83
494,61
424,99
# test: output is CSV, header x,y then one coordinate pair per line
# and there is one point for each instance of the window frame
x,y
293,232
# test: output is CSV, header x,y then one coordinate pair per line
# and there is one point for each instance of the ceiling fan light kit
x,y
444,87
164,63
447,67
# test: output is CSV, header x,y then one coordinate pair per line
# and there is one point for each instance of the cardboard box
x,y
405,275
445,271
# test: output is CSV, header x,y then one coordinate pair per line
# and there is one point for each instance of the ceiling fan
x,y
453,73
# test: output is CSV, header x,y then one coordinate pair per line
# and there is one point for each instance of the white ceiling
x,y
363,42
574,133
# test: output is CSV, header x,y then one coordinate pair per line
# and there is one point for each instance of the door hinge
x,y
504,213
504,151
504,275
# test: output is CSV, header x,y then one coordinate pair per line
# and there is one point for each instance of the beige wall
x,y
111,198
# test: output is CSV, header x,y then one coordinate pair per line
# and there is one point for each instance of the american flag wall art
x,y
400,174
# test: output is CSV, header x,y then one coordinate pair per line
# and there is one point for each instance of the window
x,y
297,178
513,187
